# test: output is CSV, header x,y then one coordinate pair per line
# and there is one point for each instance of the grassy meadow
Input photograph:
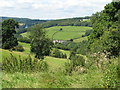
x,y
67,33
54,78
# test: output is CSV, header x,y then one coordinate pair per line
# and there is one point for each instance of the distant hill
x,y
79,21
25,22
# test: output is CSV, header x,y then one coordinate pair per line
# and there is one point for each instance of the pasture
x,y
67,32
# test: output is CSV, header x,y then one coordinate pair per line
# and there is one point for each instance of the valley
x,y
78,52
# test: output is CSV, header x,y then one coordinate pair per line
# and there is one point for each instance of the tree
x,y
106,33
40,44
8,32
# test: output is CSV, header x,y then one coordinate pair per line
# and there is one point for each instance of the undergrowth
x,y
13,64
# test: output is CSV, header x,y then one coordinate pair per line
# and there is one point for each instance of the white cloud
x,y
26,1
51,8
5,4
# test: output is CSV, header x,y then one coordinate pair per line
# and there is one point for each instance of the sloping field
x,y
67,32
54,78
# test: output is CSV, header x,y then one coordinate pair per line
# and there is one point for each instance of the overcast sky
x,y
50,9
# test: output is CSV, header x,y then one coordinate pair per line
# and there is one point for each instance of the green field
x,y
67,33
26,34
53,62
54,78
40,79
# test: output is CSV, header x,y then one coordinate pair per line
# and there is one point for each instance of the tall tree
x,y
8,32
106,33
40,44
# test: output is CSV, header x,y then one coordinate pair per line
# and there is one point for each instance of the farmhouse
x,y
59,41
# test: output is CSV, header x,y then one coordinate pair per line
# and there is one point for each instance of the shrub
x,y
12,64
76,64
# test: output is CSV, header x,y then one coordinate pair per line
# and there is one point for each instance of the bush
x,y
58,54
76,64
77,60
12,64
72,55
18,48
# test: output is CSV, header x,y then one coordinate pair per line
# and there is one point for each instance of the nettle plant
x,y
101,59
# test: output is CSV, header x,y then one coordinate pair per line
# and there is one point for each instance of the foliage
x,y
76,64
106,33
58,54
110,77
79,48
12,64
40,45
8,31
87,33
77,60
108,67
82,47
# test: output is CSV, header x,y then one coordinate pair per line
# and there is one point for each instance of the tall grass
x,y
12,64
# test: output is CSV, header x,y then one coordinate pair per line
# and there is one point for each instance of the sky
x,y
51,9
